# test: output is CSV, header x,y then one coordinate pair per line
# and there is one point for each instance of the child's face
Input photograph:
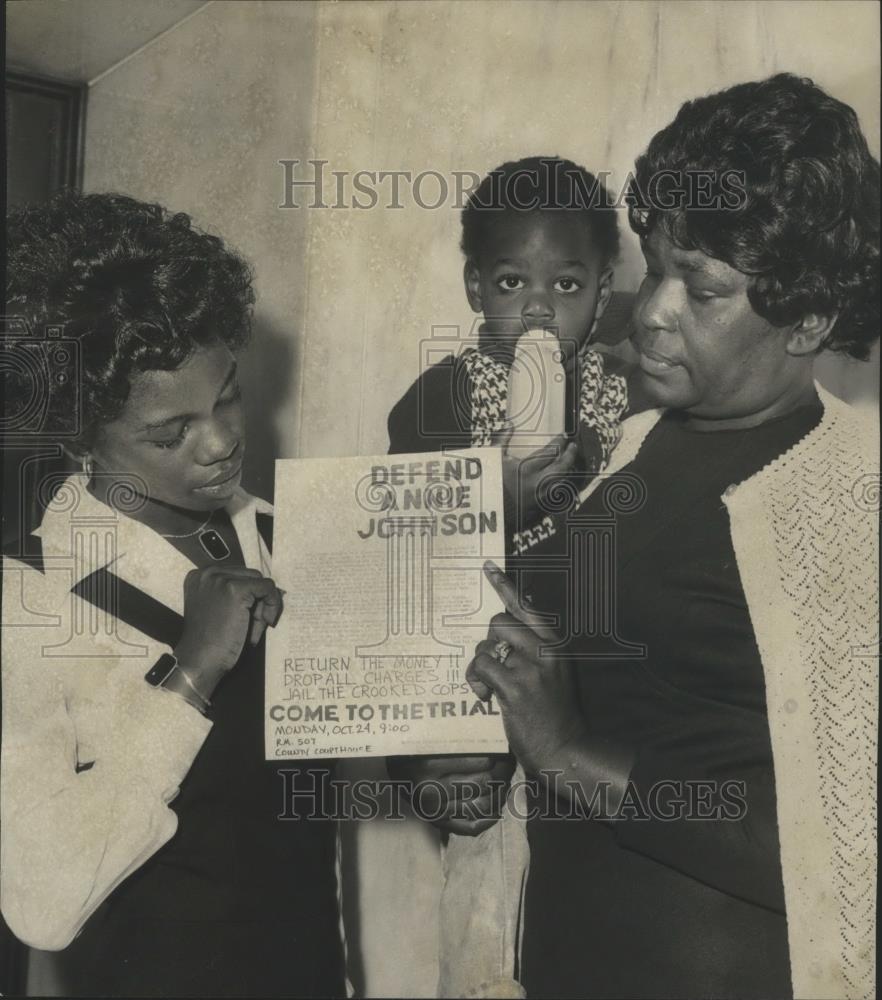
x,y
539,269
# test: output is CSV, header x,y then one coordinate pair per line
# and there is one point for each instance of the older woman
x,y
140,836
719,791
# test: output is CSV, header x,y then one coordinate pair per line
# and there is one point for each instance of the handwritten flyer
x,y
380,560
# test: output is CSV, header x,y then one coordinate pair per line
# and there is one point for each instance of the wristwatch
x,y
164,667
160,672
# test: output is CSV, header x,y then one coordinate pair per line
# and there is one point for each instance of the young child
x,y
539,239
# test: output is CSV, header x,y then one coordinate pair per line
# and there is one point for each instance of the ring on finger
x,y
501,650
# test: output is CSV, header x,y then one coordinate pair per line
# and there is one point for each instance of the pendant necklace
x,y
212,543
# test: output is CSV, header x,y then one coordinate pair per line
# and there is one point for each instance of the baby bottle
x,y
536,391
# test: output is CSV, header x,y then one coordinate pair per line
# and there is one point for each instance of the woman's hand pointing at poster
x,y
537,695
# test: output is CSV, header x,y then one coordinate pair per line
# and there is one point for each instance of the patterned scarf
x,y
603,399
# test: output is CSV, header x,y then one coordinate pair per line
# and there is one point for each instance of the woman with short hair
x,y
704,808
141,837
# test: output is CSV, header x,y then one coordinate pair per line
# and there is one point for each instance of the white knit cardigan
x,y
804,530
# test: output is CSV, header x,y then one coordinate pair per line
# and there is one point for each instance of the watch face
x,y
160,670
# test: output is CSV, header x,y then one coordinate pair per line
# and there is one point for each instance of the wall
x,y
200,119
197,122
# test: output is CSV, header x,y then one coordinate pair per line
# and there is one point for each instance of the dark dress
x,y
239,902
647,906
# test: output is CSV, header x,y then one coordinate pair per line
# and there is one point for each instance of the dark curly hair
x,y
805,224
138,287
547,183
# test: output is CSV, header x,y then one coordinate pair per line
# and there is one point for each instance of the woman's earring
x,y
87,466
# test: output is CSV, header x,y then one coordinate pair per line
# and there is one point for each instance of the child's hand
x,y
463,795
527,480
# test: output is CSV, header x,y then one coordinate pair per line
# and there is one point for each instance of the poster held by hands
x,y
385,600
